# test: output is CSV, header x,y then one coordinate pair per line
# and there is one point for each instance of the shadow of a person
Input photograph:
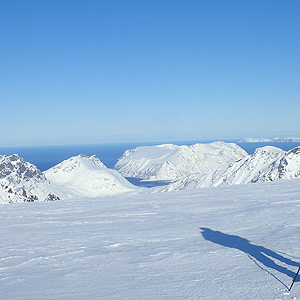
x,y
259,253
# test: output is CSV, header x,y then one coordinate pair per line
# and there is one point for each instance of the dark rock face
x,y
16,166
31,198
52,197
282,167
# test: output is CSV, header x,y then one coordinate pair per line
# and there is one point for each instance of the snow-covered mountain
x,y
250,169
273,140
256,140
265,164
171,162
84,176
21,181
287,167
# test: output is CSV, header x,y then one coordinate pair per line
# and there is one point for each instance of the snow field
x,y
151,246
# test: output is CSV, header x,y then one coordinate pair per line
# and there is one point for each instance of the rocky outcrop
x,y
21,181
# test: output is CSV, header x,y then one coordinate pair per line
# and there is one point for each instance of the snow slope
x,y
287,167
250,169
172,162
231,243
87,176
265,164
21,181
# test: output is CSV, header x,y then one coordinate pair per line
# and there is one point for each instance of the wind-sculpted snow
x,y
21,181
227,243
85,176
265,164
172,162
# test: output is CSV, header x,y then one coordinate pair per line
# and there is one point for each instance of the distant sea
x,y
45,157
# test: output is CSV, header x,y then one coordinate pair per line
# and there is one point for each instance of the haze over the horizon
x,y
115,71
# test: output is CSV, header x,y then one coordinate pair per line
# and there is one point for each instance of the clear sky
x,y
92,71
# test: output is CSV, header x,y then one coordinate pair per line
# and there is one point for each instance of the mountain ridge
x,y
171,162
86,176
265,164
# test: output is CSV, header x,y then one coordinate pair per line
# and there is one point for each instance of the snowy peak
x,y
14,168
268,151
87,176
172,162
249,169
76,163
79,176
287,167
21,181
265,164
271,163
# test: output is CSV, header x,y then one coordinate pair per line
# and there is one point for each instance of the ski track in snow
x,y
151,246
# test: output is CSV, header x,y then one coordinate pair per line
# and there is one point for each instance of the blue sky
x,y
116,71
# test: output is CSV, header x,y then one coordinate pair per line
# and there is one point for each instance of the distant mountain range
x,y
273,140
182,167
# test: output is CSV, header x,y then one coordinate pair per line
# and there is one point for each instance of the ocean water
x,y
45,157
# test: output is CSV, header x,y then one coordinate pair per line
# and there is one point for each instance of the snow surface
x,y
171,162
232,242
87,176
